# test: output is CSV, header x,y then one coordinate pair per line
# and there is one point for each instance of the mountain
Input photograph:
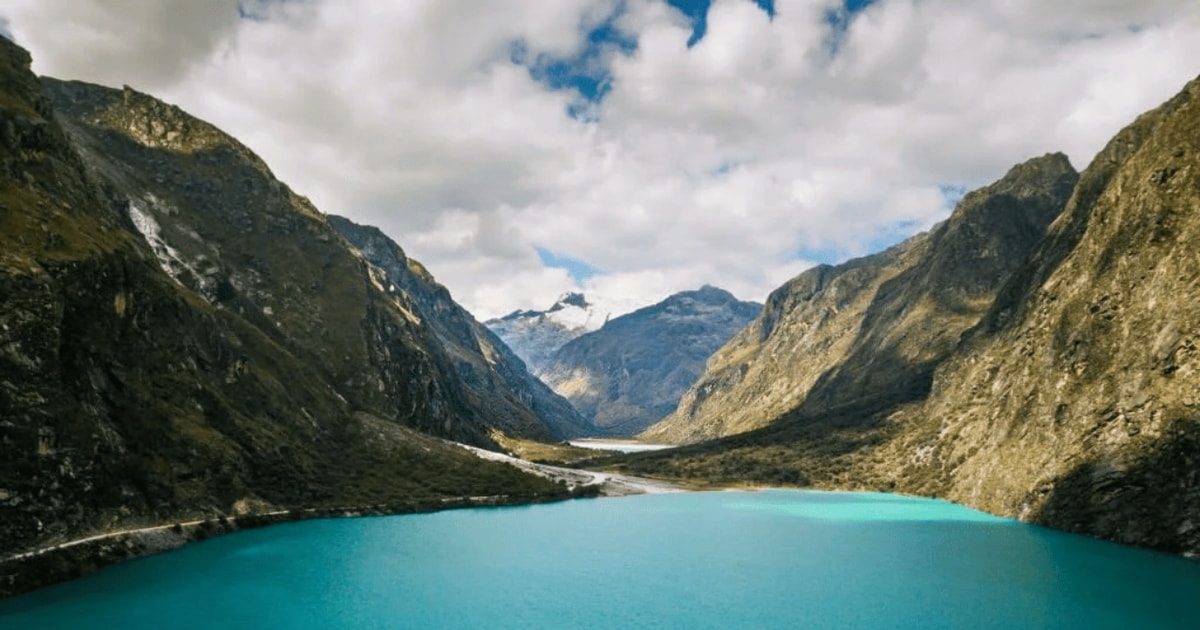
x,y
868,333
222,226
184,338
1073,402
512,399
631,372
766,369
536,335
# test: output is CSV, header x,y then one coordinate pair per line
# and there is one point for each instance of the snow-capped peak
x,y
570,299
573,312
536,335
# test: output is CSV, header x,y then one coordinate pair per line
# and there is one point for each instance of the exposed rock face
x,y
631,372
1076,403
222,226
512,399
183,337
868,333
1073,403
536,335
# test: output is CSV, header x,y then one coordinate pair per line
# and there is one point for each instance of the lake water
x,y
621,446
784,559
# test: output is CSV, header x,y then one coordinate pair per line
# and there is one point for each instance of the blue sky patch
x,y
822,255
588,75
891,235
577,269
839,21
883,238
952,194
697,10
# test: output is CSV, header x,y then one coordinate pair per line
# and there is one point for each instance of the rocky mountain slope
x,y
868,333
512,399
536,335
766,369
222,226
631,372
183,337
1076,403
1073,403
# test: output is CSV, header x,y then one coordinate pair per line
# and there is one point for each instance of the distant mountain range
x,y
631,372
627,372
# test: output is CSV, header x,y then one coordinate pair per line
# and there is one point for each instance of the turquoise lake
x,y
776,559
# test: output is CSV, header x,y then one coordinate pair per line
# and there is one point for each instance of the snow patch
x,y
574,312
169,259
574,318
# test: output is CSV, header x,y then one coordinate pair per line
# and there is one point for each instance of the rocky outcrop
x,y
511,399
182,337
630,373
869,333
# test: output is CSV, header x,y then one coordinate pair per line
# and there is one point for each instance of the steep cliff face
x,y
631,372
183,337
869,333
1077,402
511,399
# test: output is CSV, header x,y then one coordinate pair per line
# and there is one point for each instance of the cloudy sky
x,y
633,148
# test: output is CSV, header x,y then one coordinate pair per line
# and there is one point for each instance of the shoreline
x,y
35,569
32,570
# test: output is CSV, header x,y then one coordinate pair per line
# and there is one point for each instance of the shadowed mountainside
x,y
513,400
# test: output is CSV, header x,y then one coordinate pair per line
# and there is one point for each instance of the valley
x,y
190,348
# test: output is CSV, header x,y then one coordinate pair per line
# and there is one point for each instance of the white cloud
x,y
145,43
721,163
